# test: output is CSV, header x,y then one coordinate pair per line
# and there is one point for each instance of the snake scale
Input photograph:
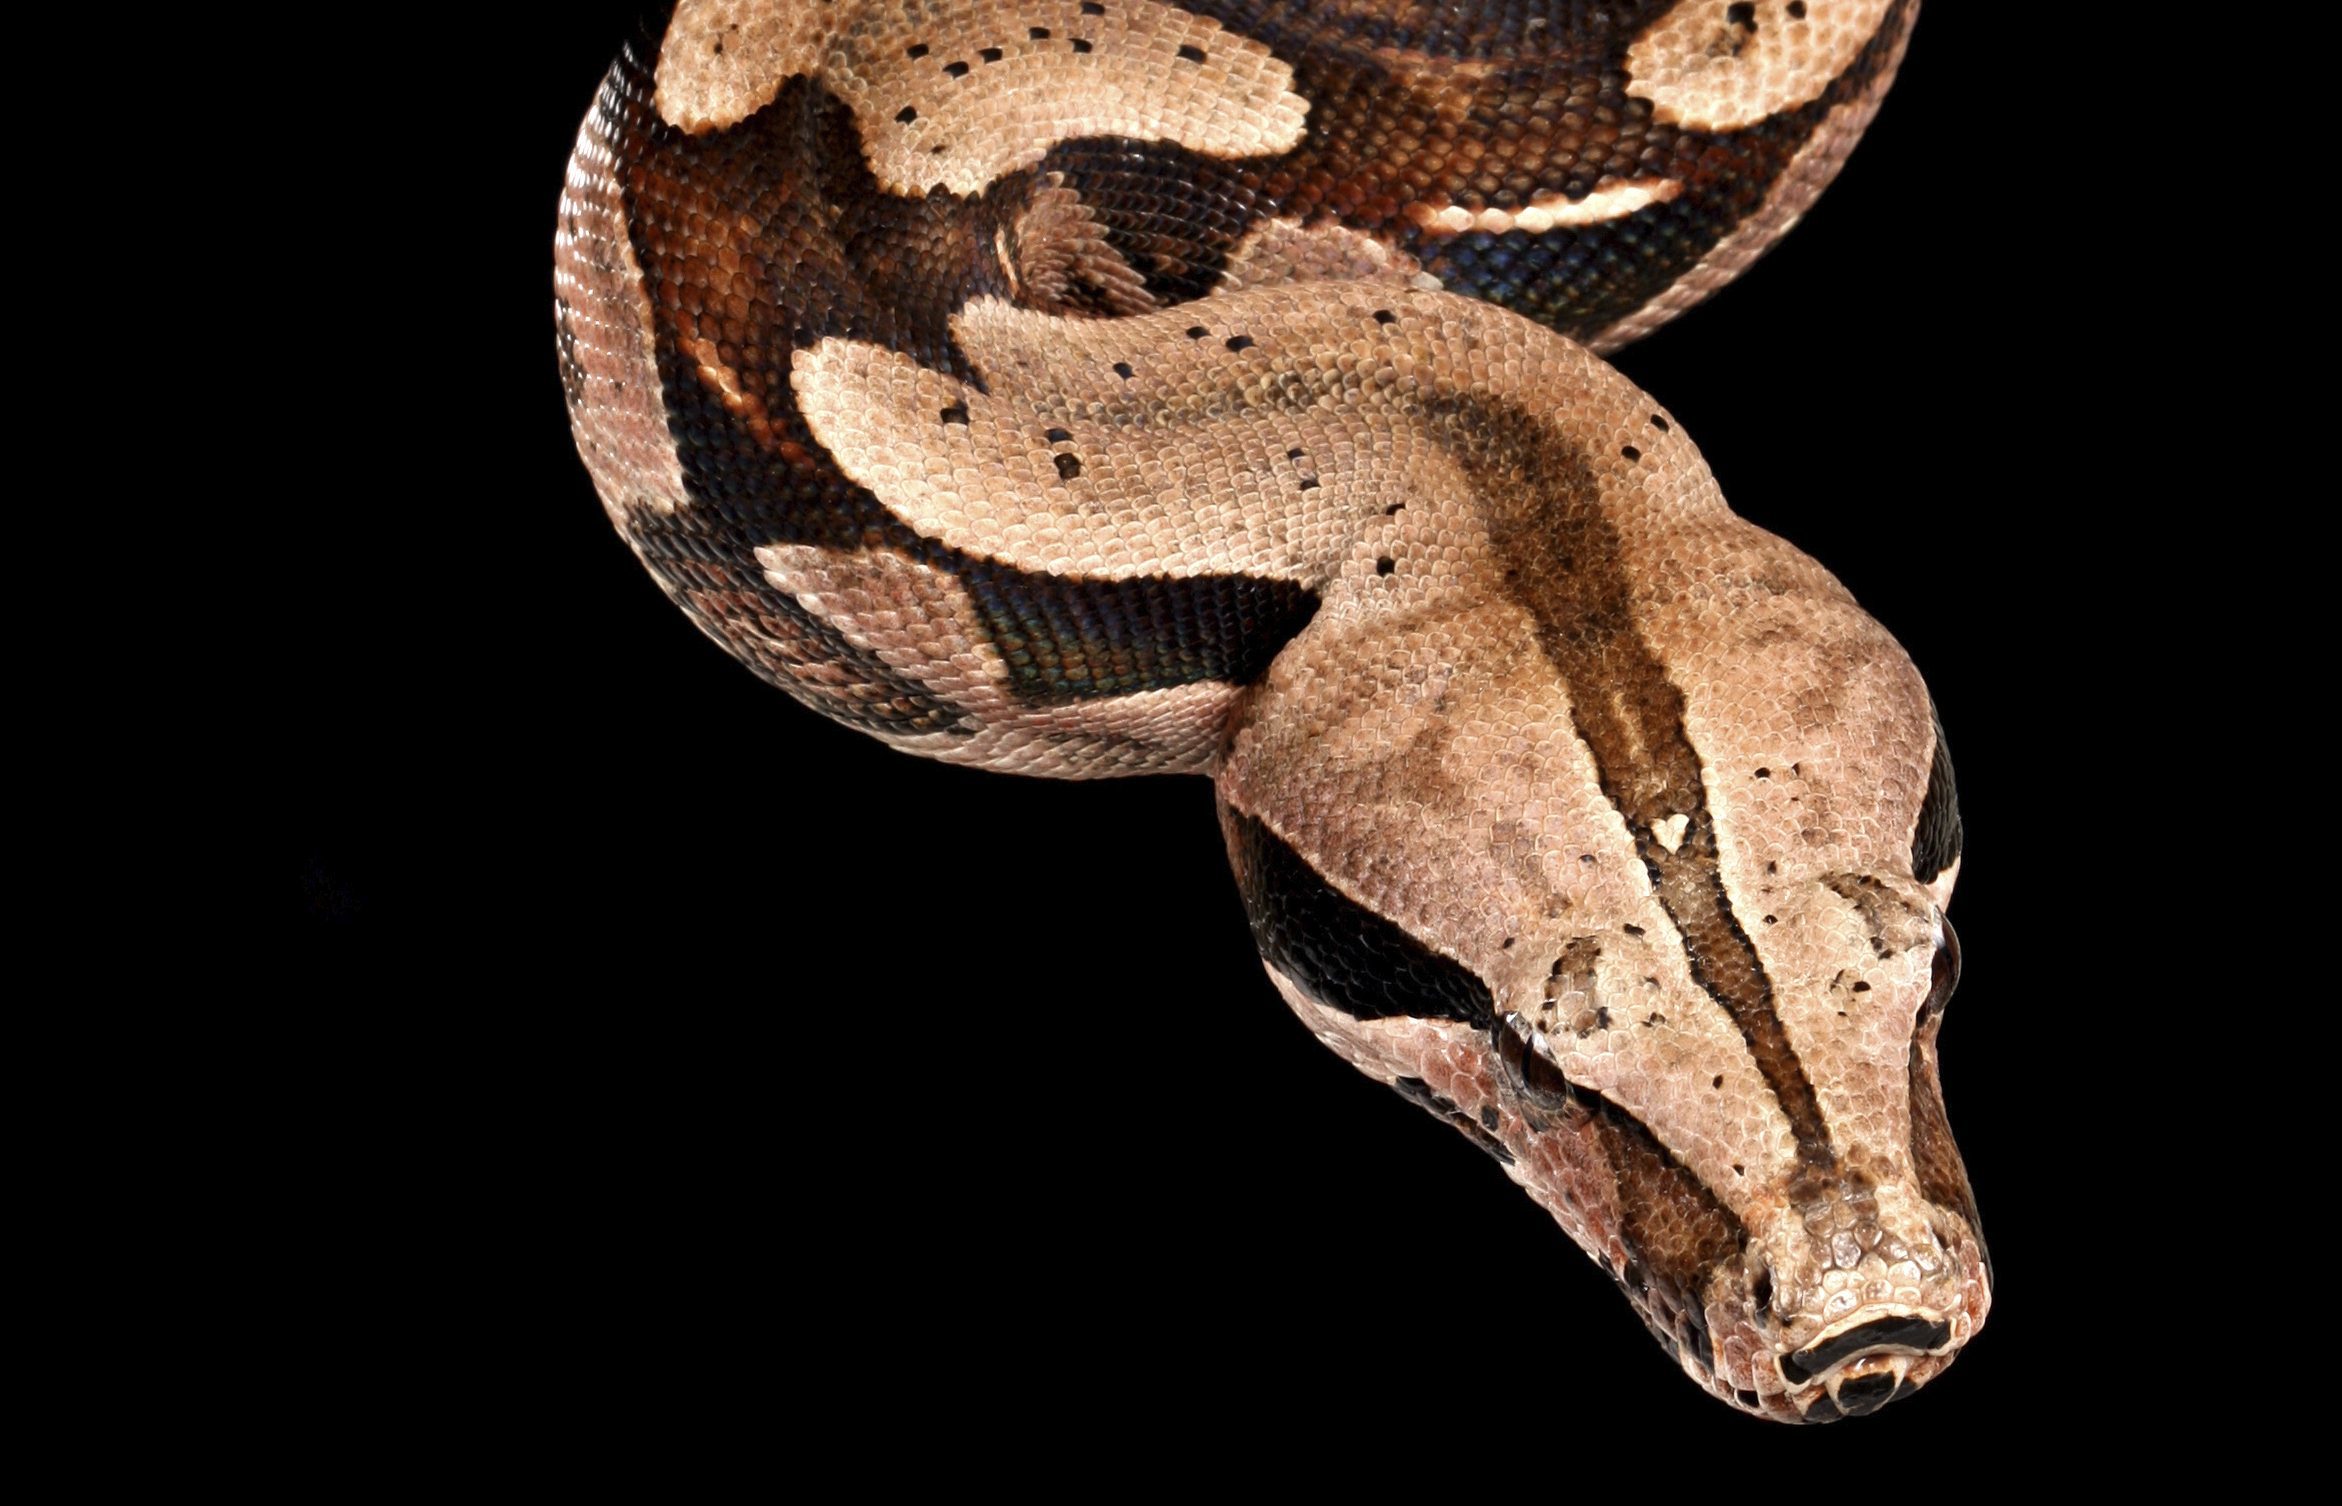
x,y
1099,387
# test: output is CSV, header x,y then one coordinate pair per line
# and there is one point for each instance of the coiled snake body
x,y
1097,387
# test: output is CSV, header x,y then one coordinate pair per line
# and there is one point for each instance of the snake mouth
x,y
1902,1335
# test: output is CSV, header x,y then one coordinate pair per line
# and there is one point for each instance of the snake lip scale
x,y
1084,388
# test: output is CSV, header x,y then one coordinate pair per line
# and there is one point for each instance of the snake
x,y
1087,388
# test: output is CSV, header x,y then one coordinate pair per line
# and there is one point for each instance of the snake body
x,y
1099,387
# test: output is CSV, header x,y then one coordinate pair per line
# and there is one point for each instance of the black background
x,y
696,1049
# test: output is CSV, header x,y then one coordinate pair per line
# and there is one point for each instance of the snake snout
x,y
1866,1364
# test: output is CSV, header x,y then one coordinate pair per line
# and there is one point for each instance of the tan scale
x,y
1717,66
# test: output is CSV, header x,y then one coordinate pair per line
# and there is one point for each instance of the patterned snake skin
x,y
1099,387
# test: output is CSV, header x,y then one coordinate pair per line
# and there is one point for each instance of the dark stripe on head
x,y
1416,1091
1935,1158
1334,949
1562,564
1935,841
1674,1227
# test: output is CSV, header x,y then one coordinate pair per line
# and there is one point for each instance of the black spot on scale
x,y
1122,370
1796,10
1196,332
1068,466
1190,54
1741,13
916,50
1080,45
1037,33
989,54
1336,950
1057,436
1309,483
1385,565
906,115
1385,316
1092,8
1659,422
1631,453
957,413
956,69
1240,342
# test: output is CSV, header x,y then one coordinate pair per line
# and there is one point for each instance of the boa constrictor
x,y
1099,387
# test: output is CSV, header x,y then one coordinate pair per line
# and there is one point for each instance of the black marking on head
x,y
1335,949
1935,841
1538,1082
1564,567
1912,1333
1676,1231
1416,1091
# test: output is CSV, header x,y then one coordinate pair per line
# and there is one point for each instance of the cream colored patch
x,y
724,60
1670,832
1549,211
1198,461
953,94
1706,71
1802,182
918,621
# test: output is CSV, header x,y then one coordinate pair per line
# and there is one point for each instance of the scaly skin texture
x,y
1089,387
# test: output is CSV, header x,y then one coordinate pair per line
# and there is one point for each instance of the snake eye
x,y
1946,975
1538,1082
